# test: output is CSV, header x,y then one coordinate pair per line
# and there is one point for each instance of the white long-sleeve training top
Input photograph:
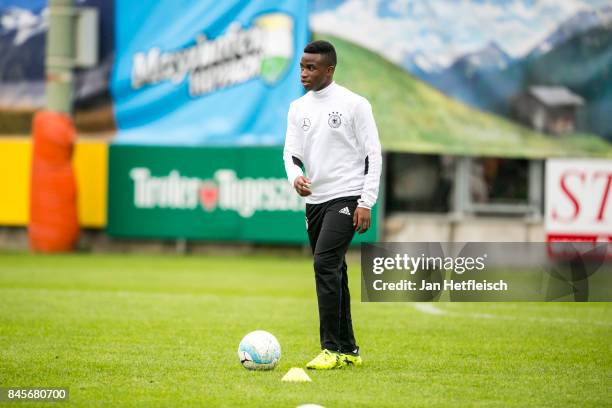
x,y
332,134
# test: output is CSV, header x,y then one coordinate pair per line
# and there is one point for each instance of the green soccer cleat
x,y
351,359
326,360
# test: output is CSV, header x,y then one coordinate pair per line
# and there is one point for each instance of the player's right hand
x,y
302,186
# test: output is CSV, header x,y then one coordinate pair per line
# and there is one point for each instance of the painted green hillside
x,y
414,117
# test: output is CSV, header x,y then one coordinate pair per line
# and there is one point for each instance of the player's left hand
x,y
361,219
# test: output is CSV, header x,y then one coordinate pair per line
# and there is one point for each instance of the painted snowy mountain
x,y
492,57
580,23
474,78
421,64
577,54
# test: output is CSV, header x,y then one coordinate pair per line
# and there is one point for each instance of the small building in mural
x,y
549,109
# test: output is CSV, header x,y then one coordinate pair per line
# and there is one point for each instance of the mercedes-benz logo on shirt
x,y
335,120
305,124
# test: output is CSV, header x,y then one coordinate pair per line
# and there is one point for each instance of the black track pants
x,y
330,230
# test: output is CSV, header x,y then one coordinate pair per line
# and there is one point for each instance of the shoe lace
x,y
324,355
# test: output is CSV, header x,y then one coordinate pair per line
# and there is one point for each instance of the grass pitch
x,y
163,331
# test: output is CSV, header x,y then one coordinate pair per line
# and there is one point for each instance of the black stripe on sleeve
x,y
367,165
298,163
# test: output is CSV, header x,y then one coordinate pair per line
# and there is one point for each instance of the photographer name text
x,y
447,285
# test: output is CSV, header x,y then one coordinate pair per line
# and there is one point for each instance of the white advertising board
x,y
578,200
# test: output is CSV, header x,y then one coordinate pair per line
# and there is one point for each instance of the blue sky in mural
x,y
28,4
433,34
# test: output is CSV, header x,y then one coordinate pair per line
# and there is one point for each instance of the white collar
x,y
322,93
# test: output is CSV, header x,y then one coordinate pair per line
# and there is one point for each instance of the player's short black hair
x,y
324,48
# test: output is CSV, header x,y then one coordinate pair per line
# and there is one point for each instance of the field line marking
x,y
429,308
128,293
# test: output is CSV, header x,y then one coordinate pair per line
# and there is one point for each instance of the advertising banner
x,y
507,78
235,194
206,72
579,200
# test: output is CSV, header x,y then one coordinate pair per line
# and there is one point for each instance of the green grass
x,y
412,116
127,330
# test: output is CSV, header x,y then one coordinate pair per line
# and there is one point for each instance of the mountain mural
x,y
577,55
488,54
413,116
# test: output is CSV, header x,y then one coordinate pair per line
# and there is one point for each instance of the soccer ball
x,y
259,350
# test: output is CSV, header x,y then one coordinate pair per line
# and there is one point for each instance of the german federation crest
x,y
335,120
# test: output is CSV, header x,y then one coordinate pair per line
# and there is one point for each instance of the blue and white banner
x,y
206,72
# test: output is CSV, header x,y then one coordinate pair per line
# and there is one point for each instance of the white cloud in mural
x,y
24,22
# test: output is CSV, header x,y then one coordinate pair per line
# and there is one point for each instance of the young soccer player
x,y
332,138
